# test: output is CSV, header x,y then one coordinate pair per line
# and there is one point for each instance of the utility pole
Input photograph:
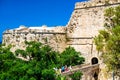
x,y
113,76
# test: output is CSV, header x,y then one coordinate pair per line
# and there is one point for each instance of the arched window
x,y
94,60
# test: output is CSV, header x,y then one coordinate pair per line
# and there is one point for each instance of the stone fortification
x,y
95,3
85,22
53,36
88,17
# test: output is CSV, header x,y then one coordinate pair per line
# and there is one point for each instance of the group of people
x,y
62,69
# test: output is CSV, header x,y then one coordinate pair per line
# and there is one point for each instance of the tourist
x,y
66,68
62,69
70,68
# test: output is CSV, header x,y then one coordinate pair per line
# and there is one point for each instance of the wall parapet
x,y
36,33
93,4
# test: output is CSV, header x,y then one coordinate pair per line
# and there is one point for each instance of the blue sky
x,y
14,13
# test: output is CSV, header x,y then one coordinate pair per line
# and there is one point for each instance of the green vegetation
x,y
76,75
41,60
71,57
108,40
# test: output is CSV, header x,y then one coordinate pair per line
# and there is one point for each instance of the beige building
x,y
85,22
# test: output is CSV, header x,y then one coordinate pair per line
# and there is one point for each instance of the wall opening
x,y
94,60
95,76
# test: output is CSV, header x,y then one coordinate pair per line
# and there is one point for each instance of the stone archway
x,y
94,60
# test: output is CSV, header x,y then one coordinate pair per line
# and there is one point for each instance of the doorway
x,y
94,61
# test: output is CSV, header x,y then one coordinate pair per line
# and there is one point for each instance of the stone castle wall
x,y
55,37
85,22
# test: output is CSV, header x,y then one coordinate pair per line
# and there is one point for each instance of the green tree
x,y
71,57
38,64
108,40
42,60
76,76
